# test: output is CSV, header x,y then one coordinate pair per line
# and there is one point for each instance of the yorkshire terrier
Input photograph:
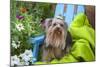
x,y
58,40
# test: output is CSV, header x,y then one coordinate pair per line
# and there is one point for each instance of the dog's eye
x,y
54,24
61,25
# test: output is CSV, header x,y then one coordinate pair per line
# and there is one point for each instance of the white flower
x,y
28,53
18,45
15,60
24,60
20,27
15,45
26,56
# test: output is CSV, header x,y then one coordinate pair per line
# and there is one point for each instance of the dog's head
x,y
56,32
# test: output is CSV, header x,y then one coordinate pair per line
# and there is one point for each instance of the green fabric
x,y
83,36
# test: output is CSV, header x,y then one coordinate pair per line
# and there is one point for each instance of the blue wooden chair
x,y
36,42
66,10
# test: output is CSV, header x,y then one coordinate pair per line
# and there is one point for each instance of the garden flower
x,y
23,9
25,59
15,45
26,56
28,53
18,44
19,17
20,27
15,60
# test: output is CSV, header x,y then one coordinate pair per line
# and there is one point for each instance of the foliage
x,y
25,23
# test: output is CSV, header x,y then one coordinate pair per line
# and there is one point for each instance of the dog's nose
x,y
58,28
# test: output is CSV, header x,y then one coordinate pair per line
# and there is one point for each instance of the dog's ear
x,y
46,23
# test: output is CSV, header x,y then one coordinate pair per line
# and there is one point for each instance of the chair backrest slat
x,y
69,14
69,11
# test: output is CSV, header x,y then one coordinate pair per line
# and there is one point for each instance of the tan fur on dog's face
x,y
56,34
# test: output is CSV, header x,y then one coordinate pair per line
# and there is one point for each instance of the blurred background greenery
x,y
25,23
